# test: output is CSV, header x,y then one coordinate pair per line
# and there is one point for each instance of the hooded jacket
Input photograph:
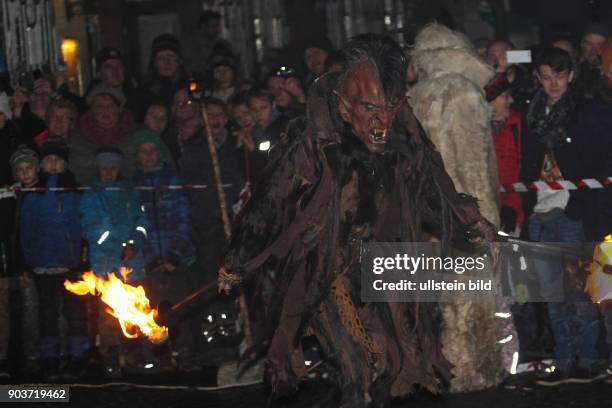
x,y
110,218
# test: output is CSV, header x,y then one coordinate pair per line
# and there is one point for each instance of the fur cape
x,y
449,101
294,247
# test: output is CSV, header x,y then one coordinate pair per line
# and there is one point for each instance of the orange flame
x,y
599,281
127,303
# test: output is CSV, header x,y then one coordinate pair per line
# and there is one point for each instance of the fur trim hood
x,y
438,51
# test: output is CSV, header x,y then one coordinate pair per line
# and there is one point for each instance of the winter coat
x,y
579,155
586,153
10,140
106,137
110,219
449,101
508,152
168,212
50,231
196,168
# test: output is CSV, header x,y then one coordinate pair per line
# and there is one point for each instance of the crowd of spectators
x,y
549,121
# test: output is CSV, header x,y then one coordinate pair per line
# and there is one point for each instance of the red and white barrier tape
x,y
520,187
141,188
588,184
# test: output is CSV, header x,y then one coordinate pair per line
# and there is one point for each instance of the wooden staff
x,y
225,216
217,172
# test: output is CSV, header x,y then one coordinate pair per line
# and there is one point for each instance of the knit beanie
x,y
165,42
596,28
103,89
21,155
53,148
143,136
109,158
106,54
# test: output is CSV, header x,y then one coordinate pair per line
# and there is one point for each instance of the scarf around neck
x,y
550,128
106,137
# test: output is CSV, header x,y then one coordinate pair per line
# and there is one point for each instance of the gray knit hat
x,y
23,154
109,158
103,89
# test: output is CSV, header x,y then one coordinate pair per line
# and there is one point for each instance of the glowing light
x,y
264,146
143,230
599,282
505,339
103,237
69,45
515,358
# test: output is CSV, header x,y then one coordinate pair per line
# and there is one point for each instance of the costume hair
x,y
386,57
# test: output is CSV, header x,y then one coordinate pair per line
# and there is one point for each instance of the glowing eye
x,y
264,146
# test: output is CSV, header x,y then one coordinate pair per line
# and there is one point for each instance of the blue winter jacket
x,y
50,231
112,218
169,214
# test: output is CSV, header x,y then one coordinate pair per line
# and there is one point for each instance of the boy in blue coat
x,y
50,235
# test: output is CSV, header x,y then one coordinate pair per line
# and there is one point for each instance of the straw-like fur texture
x,y
449,101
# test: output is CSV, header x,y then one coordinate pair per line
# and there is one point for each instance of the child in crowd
x,y
25,167
115,228
269,128
156,120
50,235
168,250
113,224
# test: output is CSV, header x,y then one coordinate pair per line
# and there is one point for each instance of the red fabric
x,y
509,162
41,137
106,137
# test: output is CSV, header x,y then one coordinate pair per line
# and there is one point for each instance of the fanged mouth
x,y
378,136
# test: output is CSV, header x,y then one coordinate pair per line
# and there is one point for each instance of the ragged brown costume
x,y
296,248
